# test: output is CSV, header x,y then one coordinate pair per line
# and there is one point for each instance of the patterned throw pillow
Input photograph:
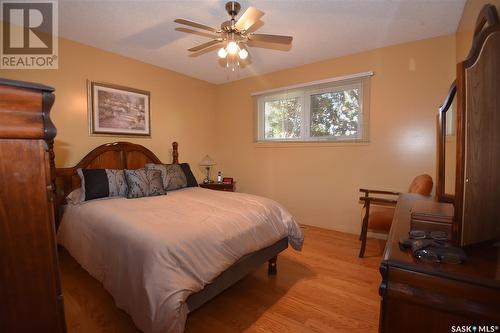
x,y
144,183
172,175
101,183
116,182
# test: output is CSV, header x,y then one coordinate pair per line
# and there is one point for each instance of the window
x,y
283,117
319,111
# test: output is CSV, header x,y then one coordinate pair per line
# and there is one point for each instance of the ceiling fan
x,y
234,35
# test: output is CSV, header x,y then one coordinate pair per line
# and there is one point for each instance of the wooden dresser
x,y
30,291
425,297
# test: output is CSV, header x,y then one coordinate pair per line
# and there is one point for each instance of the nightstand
x,y
219,186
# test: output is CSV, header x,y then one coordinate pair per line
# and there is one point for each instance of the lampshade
x,y
207,161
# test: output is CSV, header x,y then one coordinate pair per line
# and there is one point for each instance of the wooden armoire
x,y
477,169
30,291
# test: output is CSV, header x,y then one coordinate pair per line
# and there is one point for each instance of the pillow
x,y
191,180
101,183
144,183
74,197
172,175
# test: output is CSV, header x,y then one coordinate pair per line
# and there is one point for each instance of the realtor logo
x,y
29,35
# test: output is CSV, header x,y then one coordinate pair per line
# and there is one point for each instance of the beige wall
x,y
319,182
182,107
466,26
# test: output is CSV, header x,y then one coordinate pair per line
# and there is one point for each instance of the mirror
x,y
446,148
450,150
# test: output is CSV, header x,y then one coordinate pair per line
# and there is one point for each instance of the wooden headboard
x,y
116,155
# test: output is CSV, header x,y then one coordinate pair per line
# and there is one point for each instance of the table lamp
x,y
207,162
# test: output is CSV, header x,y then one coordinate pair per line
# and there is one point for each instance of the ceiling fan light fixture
x,y
222,53
243,54
232,48
234,35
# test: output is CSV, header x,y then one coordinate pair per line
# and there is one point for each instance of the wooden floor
x,y
324,288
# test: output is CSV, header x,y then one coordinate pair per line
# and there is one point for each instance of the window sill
x,y
312,144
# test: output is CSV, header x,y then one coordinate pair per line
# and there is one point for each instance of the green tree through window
x,y
283,119
335,113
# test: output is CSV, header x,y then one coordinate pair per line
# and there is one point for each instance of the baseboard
x,y
370,234
376,235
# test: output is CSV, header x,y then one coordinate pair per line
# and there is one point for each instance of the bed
x,y
163,257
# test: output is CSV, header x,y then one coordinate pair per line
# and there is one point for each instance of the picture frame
x,y
115,110
227,180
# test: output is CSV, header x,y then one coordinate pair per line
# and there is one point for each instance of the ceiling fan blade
x,y
271,38
204,51
194,24
204,45
196,32
249,18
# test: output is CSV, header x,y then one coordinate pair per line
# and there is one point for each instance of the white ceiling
x,y
322,29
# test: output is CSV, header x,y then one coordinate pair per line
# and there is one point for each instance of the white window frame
x,y
304,93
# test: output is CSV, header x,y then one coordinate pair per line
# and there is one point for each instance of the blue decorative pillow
x,y
144,183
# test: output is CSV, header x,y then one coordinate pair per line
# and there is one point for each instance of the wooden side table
x,y
219,186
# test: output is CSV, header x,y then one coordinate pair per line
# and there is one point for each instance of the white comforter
x,y
152,253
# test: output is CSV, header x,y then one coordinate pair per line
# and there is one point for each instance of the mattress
x,y
152,253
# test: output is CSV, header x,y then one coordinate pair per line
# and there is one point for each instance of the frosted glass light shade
x,y
222,53
207,161
243,54
232,48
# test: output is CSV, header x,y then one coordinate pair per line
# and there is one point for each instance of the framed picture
x,y
227,180
117,110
